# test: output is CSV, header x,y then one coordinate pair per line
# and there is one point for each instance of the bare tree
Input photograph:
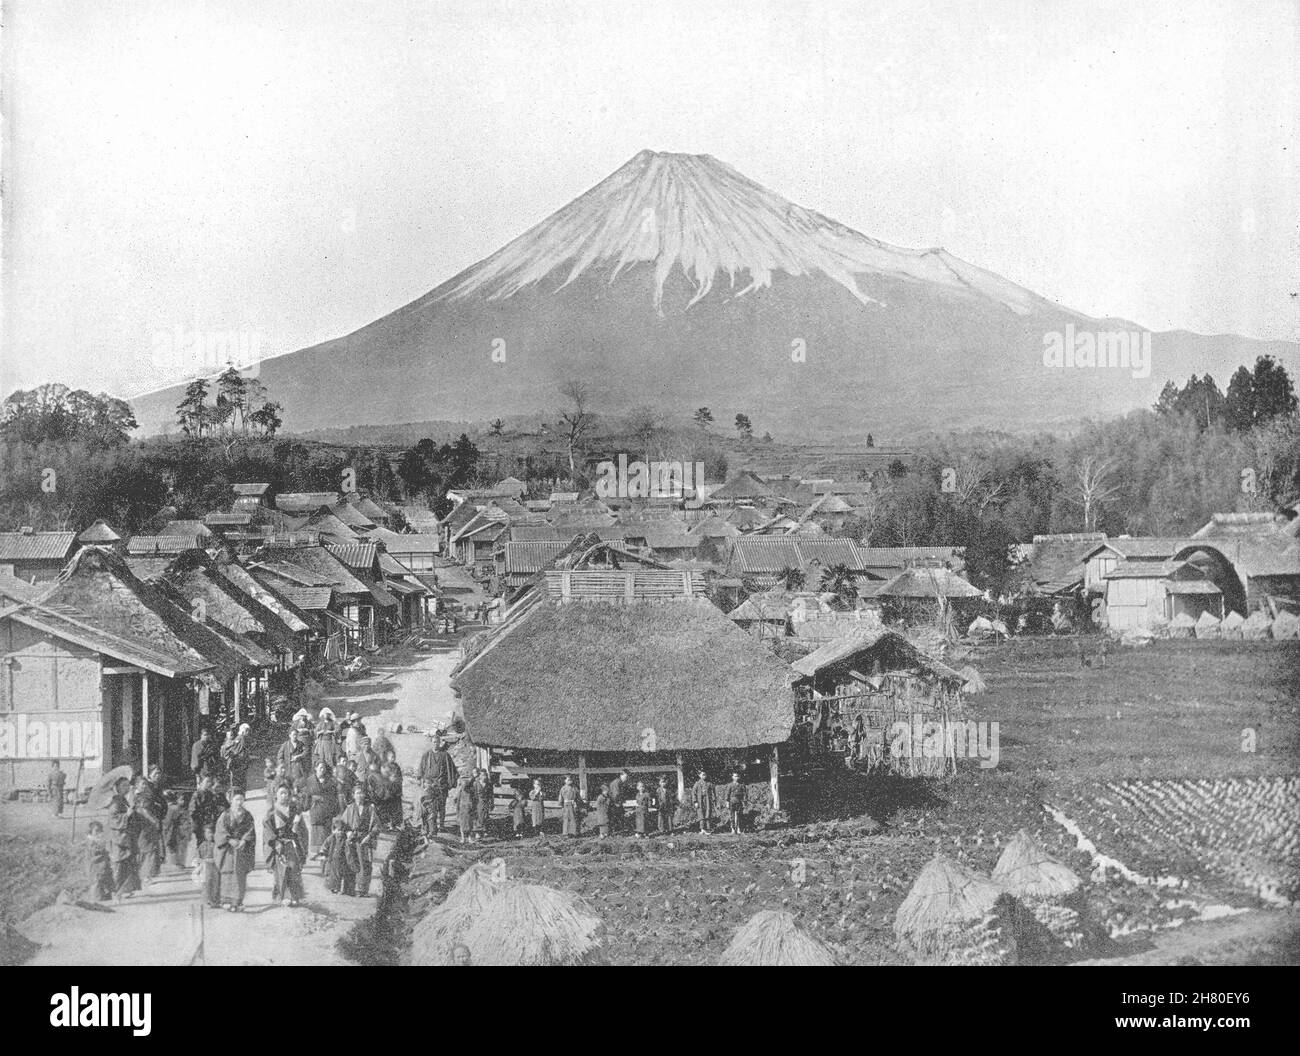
x,y
576,422
1093,484
974,487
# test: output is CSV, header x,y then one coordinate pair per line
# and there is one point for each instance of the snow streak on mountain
x,y
694,212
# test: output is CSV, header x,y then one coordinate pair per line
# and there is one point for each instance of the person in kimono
x,y
55,782
439,771
176,829
381,745
602,812
235,839
537,807
517,809
339,875
295,756
234,752
205,757
351,733
99,869
345,779
702,798
642,810
483,801
465,809
666,796
209,874
617,793
150,810
121,842
206,806
326,748
284,853
319,800
362,827
734,795
568,808
394,805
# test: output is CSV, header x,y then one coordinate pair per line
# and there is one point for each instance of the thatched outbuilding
x,y
771,937
855,692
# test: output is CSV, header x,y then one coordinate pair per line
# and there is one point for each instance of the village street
x,y
162,925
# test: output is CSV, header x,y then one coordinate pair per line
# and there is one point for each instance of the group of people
x,y
475,796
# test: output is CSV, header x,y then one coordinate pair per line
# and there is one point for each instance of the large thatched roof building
x,y
606,669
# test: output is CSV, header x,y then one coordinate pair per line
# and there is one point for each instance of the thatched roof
x,y
772,937
100,589
588,675
913,583
1026,869
946,896
974,683
744,485
530,924
862,649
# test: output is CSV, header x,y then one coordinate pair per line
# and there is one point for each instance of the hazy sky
x,y
291,171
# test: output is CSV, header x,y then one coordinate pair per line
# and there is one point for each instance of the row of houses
x,y
1236,562
115,651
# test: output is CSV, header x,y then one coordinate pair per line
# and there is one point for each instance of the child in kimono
x,y
176,829
339,875
667,804
602,812
642,810
345,776
209,875
54,785
537,807
517,813
99,870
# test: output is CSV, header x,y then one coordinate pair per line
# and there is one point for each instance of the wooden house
x,y
36,557
1140,594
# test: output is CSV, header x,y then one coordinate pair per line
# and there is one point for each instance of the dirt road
x,y
163,924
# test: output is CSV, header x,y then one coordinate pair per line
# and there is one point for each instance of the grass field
x,y
1117,751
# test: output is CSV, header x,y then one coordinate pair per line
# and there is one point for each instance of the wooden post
x,y
239,693
582,775
144,723
681,779
776,777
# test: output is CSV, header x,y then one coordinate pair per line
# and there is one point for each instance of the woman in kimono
x,y
537,807
517,804
483,796
121,842
236,844
282,830
465,809
667,804
327,740
569,808
320,800
234,752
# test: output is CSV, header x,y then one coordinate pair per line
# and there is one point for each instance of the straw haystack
x,y
441,928
530,924
974,683
772,937
1044,886
1208,626
1258,625
1230,626
1027,870
951,916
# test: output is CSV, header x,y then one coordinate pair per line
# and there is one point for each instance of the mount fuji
x,y
677,282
